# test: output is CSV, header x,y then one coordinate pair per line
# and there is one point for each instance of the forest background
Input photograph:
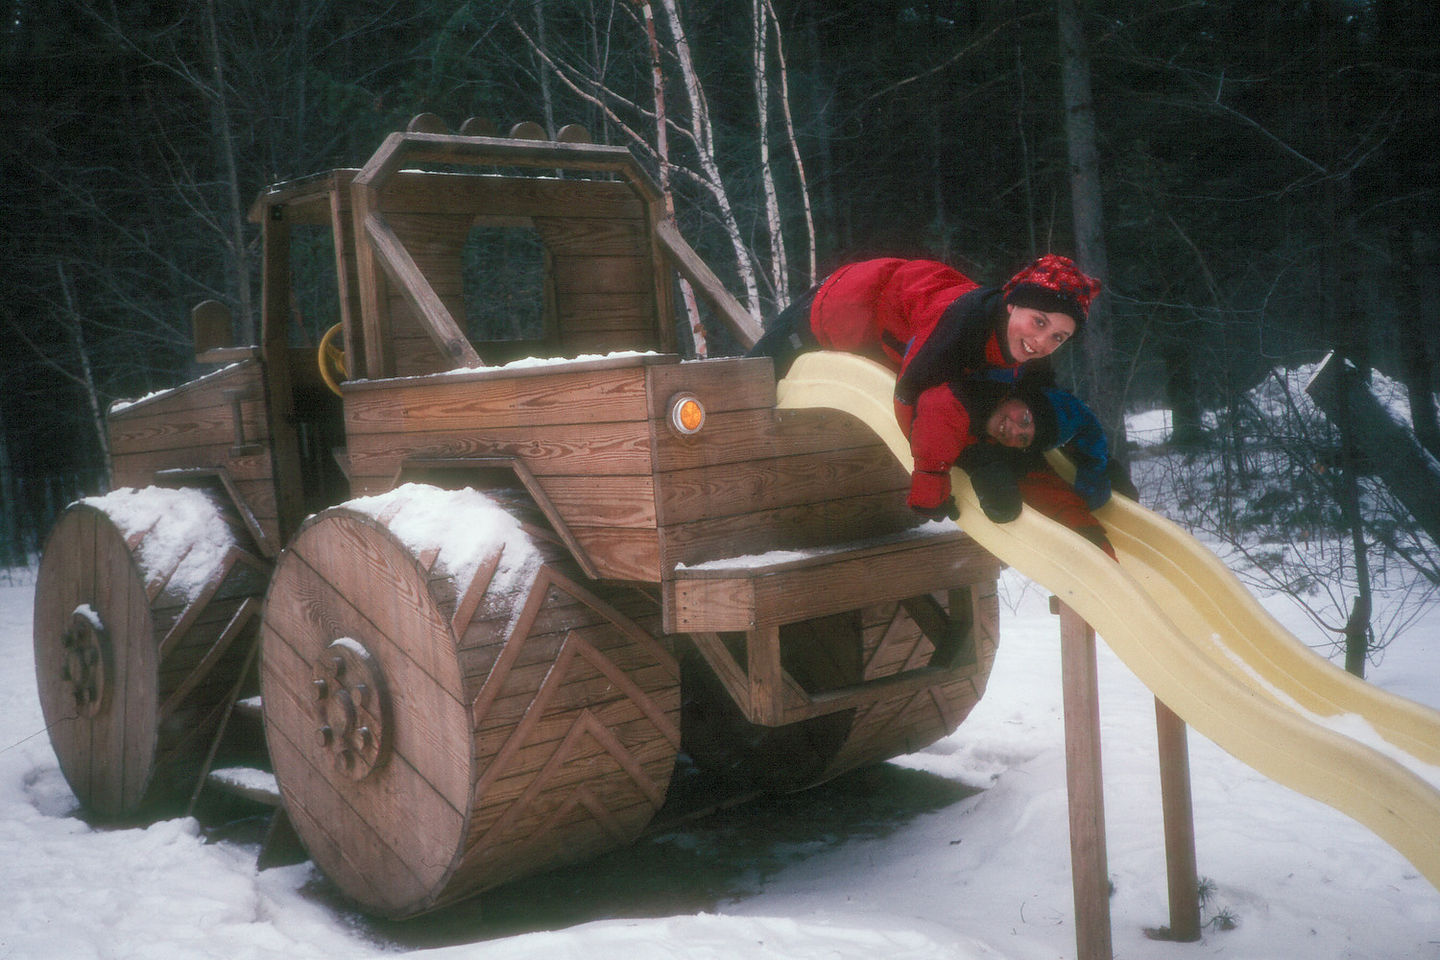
x,y
1255,180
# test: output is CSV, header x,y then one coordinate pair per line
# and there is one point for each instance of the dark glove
x,y
996,489
1119,475
948,508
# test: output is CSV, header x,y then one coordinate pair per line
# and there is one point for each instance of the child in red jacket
x,y
999,438
928,322
935,328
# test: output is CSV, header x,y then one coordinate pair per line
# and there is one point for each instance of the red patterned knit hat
x,y
1053,282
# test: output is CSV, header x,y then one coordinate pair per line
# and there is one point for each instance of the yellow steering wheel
x,y
331,359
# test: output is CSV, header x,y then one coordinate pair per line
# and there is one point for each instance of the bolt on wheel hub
x,y
86,664
352,708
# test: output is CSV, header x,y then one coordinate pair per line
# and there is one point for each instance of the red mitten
x,y
929,485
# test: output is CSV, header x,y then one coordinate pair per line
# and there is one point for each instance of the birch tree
x,y
702,135
774,234
662,152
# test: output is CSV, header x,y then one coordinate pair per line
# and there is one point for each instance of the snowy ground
x,y
957,852
901,862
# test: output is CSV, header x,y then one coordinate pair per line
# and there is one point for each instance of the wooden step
x,y
743,593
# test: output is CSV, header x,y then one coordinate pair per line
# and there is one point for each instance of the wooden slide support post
x,y
1182,876
1089,869
1085,786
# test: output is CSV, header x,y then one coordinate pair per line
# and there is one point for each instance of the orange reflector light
x,y
687,415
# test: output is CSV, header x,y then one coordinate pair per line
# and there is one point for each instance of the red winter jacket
x,y
892,303
932,325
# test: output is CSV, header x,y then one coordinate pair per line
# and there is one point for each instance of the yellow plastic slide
x,y
1196,637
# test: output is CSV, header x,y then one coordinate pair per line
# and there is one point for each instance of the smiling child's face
x,y
1032,334
1011,424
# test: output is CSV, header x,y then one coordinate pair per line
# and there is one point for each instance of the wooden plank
x,y
283,439
130,690
610,312
585,393
379,357
347,280
662,274
744,601
734,436
140,718
747,487
617,449
762,665
743,326
601,275
406,275
592,236
736,383
901,685
412,192
797,527
1085,787
200,392
248,608
621,553
251,475
201,420
432,239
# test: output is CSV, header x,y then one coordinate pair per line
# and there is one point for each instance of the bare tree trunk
x,y
12,549
810,277
662,151
704,136
87,375
1027,166
220,123
1087,210
547,100
759,34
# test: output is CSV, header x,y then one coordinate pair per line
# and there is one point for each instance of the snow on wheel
x,y
145,608
448,708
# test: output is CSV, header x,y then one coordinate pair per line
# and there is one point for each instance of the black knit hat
x,y
1042,411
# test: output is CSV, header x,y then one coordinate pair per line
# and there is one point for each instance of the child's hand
x,y
997,491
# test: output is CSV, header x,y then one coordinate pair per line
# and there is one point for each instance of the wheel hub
x,y
352,708
87,659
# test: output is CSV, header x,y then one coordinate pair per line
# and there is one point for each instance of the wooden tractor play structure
x,y
506,579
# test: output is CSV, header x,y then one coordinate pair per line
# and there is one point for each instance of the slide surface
x,y
1194,635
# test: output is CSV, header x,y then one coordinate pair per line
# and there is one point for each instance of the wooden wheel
x,y
447,711
144,606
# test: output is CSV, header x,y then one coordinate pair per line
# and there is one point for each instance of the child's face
x,y
1033,334
1011,425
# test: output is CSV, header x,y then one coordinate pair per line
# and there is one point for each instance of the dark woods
x,y
1267,185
